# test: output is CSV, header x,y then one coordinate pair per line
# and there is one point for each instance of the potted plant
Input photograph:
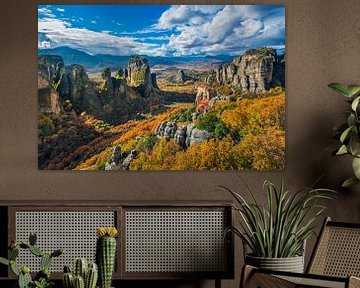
x,y
276,233
42,278
349,132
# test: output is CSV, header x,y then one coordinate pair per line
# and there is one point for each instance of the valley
x,y
157,113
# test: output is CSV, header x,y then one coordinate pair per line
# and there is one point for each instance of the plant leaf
x,y
4,261
345,134
355,103
353,89
351,119
342,150
349,182
340,88
356,167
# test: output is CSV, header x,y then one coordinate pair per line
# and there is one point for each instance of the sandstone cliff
x,y
77,87
254,71
50,72
138,75
115,99
184,136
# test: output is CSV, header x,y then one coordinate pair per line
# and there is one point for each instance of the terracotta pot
x,y
291,264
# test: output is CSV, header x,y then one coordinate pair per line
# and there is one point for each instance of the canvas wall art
x,y
159,87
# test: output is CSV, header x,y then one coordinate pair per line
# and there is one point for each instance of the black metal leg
x,y
217,283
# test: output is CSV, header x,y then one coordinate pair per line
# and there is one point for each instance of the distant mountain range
x,y
100,61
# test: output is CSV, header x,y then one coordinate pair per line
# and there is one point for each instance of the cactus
x,y
24,278
14,268
68,280
106,254
87,272
13,253
36,251
79,282
45,261
4,261
91,276
80,268
32,239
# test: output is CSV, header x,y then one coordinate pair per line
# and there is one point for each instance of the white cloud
x,y
45,12
232,29
55,32
186,14
116,23
60,9
195,29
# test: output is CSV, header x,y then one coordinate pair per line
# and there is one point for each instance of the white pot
x,y
291,264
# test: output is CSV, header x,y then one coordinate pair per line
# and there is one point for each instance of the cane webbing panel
x,y
313,282
175,241
75,231
338,252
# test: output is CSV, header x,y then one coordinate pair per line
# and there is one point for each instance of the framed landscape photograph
x,y
161,87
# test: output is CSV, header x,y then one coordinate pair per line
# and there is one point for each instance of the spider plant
x,y
280,229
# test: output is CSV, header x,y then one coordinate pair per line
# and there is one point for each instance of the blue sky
x,y
161,30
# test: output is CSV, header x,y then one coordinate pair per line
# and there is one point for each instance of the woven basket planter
x,y
291,264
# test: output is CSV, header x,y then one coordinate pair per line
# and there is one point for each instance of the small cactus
x,y
23,273
84,274
36,251
13,253
24,280
80,268
45,261
79,282
68,280
14,268
91,276
32,239
106,254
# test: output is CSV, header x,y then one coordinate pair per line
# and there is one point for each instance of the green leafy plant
x,y
213,124
42,278
349,132
279,229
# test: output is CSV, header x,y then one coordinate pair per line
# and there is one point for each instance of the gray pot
x,y
291,264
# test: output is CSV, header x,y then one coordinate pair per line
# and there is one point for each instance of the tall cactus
x,y
106,254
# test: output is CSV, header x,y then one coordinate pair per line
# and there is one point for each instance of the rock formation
x,y
199,136
183,135
204,93
77,87
114,161
115,99
180,136
50,73
181,77
254,71
166,129
126,163
138,75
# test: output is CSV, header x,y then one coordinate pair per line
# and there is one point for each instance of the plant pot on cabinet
x,y
291,264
